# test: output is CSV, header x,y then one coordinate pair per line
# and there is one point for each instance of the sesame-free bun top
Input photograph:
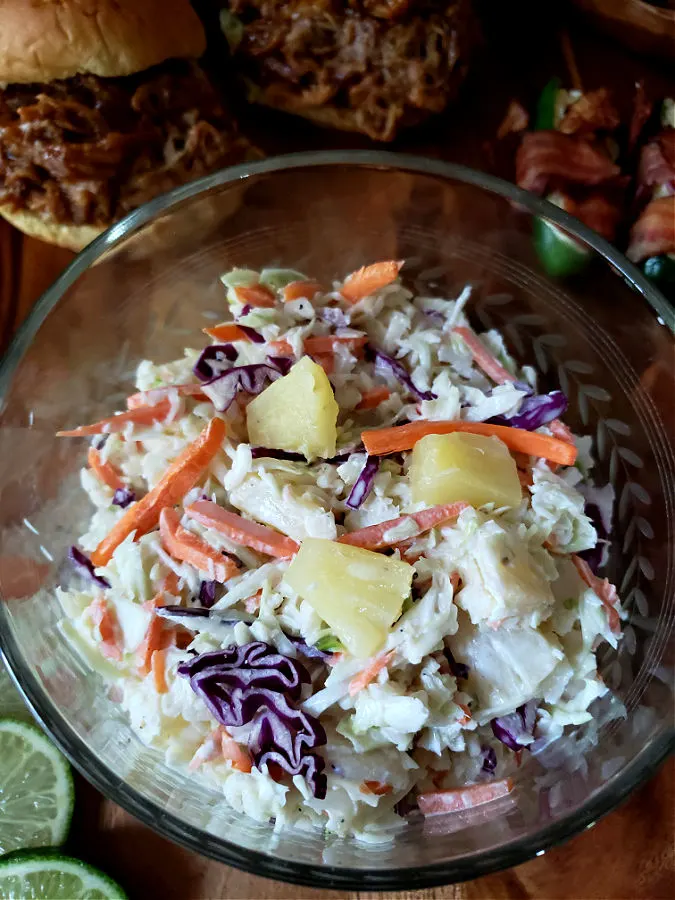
x,y
44,40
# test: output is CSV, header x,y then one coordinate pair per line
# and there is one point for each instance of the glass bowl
x,y
146,287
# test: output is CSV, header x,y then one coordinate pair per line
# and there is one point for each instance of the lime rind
x,y
47,875
36,788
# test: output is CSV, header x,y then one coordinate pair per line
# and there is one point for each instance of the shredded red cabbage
x,y
458,669
256,684
253,336
489,760
383,361
245,310
364,483
291,456
273,453
334,316
535,411
252,379
123,497
213,361
511,729
308,650
207,593
282,363
285,736
86,566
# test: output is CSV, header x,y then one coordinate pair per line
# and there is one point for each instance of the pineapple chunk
x,y
500,580
358,593
507,667
297,412
470,467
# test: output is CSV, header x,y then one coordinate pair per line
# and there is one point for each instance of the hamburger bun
x,y
46,40
326,116
71,237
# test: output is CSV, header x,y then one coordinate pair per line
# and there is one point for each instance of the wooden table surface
x,y
629,854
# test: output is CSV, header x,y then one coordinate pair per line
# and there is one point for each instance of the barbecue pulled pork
x,y
87,150
386,63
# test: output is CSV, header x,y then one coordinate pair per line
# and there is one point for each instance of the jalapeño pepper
x,y
661,270
559,253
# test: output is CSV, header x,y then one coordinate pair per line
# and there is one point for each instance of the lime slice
x,y
36,789
11,701
49,876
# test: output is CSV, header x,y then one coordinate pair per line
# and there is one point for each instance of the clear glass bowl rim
x,y
639,770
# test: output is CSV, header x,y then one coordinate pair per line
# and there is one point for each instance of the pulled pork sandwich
x,y
102,107
373,66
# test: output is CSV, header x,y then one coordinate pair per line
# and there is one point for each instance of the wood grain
x,y
629,854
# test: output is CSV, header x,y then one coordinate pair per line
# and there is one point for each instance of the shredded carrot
x,y
371,278
334,659
468,797
157,395
141,415
327,344
104,618
182,474
227,332
252,604
376,787
370,673
168,638
170,585
158,667
372,398
280,348
482,356
104,471
404,437
151,642
603,588
374,537
404,548
242,531
235,753
187,547
299,290
255,295
209,750
326,361
466,718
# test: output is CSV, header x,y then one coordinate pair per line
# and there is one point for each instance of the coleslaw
x,y
336,566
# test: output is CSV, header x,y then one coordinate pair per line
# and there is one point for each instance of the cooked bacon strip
x,y
642,110
667,144
547,158
654,232
593,111
598,211
657,163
